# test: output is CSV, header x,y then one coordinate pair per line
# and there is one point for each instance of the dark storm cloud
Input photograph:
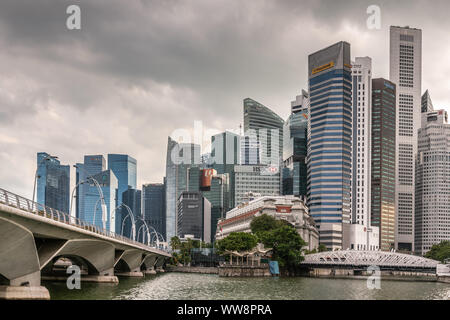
x,y
137,70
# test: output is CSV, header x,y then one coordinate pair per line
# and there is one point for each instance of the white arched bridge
x,y
362,259
38,242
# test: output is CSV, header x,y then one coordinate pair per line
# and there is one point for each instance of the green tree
x,y
175,243
264,223
286,243
237,241
439,252
322,248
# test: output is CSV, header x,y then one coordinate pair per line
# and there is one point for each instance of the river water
x,y
191,286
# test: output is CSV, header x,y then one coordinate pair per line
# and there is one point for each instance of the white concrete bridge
x,y
33,237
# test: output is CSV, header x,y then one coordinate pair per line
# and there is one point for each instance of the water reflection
x,y
198,286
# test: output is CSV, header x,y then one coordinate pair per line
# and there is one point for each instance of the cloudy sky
x,y
138,70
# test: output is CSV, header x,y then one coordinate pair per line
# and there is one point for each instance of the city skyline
x,y
97,121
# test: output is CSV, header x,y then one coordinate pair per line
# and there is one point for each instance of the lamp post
x,y
101,199
133,223
148,234
36,175
148,231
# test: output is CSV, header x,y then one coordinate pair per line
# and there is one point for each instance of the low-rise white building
x,y
288,208
360,237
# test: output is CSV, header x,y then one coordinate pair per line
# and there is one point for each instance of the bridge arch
x,y
129,261
97,255
19,261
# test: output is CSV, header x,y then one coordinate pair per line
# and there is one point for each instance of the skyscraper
x,y
53,183
92,165
260,179
329,141
432,198
383,161
125,170
225,154
194,216
180,158
427,105
154,206
362,113
406,73
267,127
216,188
295,131
132,198
93,211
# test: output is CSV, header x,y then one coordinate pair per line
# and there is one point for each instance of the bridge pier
x,y
95,255
19,264
128,263
148,264
159,263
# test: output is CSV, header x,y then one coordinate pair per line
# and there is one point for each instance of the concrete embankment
x,y
186,269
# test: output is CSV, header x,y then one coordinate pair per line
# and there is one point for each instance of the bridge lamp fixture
x,y
101,197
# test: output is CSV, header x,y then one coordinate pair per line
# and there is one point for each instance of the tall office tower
x,y
154,206
92,165
362,101
225,154
426,103
180,159
216,188
194,216
383,161
406,73
261,179
266,127
329,141
53,183
125,170
94,212
294,173
132,198
432,198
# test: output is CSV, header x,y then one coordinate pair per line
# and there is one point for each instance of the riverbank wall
x,y
187,269
244,271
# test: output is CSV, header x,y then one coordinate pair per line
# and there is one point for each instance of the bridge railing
x,y
13,200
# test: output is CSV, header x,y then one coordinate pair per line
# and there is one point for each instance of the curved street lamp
x,y
129,214
101,199
143,235
47,158
148,229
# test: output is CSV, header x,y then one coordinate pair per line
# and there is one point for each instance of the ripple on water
x,y
191,286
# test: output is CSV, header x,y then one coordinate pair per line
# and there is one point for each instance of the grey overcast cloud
x,y
138,70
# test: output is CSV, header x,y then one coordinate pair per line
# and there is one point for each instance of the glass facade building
x,y
132,198
263,135
93,205
154,206
53,183
330,141
194,216
383,161
93,164
225,154
181,157
125,170
295,130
